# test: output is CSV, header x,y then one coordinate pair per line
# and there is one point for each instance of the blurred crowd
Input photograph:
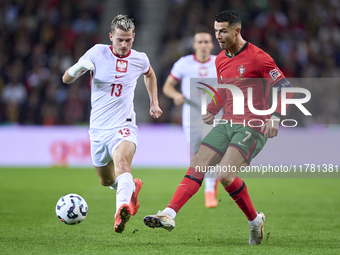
x,y
39,39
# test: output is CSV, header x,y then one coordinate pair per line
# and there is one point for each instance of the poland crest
x,y
121,65
203,71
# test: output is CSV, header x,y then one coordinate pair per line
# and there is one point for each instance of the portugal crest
x,y
241,70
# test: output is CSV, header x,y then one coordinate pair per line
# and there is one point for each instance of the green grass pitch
x,y
302,216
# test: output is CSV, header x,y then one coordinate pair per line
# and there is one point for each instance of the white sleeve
x,y
177,70
89,55
146,63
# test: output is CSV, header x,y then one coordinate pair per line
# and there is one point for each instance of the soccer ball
x,y
71,209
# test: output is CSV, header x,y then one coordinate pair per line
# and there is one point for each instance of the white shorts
x,y
195,129
105,141
195,133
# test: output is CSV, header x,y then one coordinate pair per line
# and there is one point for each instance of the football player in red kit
x,y
239,138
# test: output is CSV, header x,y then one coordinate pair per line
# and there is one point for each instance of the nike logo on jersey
x,y
120,190
242,144
117,77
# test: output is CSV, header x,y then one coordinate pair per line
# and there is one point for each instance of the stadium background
x,y
40,39
44,122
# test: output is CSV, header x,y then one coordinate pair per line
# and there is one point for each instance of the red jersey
x,y
252,68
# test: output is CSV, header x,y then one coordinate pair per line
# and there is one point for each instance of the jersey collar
x,y
244,46
111,48
201,61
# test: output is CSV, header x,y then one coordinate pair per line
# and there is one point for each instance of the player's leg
x,y
243,147
210,180
233,184
210,189
106,174
122,158
195,130
105,169
101,157
209,154
186,189
192,181
112,158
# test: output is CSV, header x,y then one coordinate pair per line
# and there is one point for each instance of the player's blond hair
x,y
122,22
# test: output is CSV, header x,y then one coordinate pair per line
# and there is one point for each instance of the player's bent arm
x,y
150,81
75,71
170,91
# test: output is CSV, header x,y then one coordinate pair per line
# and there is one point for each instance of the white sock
x,y
170,211
256,221
210,181
125,189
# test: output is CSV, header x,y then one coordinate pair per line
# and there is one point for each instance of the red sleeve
x,y
215,108
266,68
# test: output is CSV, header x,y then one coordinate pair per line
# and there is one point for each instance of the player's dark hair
x,y
228,16
202,29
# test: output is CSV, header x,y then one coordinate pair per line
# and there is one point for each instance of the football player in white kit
x,y
113,132
199,65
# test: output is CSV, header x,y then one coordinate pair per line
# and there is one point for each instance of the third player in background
x,y
200,65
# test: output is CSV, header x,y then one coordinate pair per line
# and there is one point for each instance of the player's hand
x,y
179,99
208,118
155,111
271,128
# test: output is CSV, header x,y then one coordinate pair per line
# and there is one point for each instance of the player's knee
x,y
106,181
226,181
198,162
123,167
225,178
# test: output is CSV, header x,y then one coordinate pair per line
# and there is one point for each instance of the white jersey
x,y
113,84
189,67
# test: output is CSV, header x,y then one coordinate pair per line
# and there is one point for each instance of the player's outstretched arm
x,y
75,71
170,91
150,81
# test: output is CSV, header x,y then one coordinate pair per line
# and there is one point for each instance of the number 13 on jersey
x,y
116,89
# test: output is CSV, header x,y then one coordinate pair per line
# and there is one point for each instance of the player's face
x,y
203,43
226,35
122,41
